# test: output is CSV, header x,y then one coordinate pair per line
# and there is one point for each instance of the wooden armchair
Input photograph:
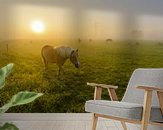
x,y
138,107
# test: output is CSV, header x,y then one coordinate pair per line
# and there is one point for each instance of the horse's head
x,y
74,58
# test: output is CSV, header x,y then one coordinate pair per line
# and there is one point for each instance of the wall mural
x,y
59,46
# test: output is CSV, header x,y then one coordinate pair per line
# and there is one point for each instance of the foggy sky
x,y
129,10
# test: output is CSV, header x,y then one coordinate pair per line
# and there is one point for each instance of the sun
x,y
37,26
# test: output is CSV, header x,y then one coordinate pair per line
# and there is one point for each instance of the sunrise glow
x,y
37,26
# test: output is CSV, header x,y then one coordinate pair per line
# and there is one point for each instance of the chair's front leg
x,y
146,109
97,96
94,123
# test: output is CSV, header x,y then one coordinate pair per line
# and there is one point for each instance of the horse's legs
x,y
62,70
46,68
59,71
46,65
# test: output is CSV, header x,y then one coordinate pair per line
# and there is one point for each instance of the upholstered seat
x,y
131,111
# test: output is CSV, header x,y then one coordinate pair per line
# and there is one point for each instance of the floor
x,y
57,121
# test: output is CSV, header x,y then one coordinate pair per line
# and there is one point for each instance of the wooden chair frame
x,y
146,107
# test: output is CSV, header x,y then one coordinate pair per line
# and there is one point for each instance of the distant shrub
x,y
159,43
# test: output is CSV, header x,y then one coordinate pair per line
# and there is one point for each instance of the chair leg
x,y
144,127
146,110
94,122
124,125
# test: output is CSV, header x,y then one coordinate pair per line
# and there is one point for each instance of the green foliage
x,y
20,98
4,72
24,98
8,126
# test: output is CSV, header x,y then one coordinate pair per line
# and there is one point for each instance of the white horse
x,y
59,55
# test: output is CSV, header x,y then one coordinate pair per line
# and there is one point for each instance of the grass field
x,y
101,62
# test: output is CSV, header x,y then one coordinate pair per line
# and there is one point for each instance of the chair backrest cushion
x,y
146,77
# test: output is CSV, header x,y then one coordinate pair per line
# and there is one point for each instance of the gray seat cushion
x,y
125,110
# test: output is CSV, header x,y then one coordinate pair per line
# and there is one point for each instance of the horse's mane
x,y
63,51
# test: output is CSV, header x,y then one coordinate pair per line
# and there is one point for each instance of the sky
x,y
95,19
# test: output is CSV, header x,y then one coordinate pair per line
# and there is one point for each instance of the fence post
x,y
7,47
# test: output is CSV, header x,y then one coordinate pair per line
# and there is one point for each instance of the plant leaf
x,y
4,108
24,98
2,82
20,99
4,72
8,126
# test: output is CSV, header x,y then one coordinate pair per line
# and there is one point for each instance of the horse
x,y
59,55
109,40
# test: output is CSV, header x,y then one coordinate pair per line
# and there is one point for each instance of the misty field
x,y
101,62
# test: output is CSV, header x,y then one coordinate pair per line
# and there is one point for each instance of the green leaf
x,y
4,72
8,126
20,99
24,98
2,82
4,108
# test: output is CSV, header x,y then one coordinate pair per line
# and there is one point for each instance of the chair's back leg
x,y
114,97
94,123
160,97
124,125
146,110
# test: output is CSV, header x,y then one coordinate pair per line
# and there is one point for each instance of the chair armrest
x,y
98,90
102,85
150,88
